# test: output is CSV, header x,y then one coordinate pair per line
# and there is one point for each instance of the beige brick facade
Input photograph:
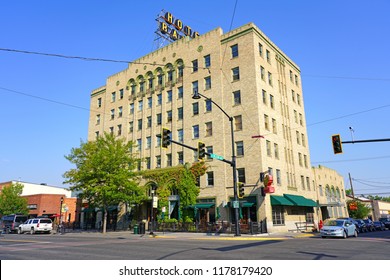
x,y
253,81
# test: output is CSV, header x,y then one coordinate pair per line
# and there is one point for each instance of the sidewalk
x,y
189,235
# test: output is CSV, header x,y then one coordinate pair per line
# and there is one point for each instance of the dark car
x,y
386,221
379,225
10,223
361,225
369,224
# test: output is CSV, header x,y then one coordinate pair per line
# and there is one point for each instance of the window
x,y
131,127
261,50
194,87
160,79
277,215
180,157
276,150
169,96
266,122
140,105
240,148
296,80
268,147
236,98
148,142
169,116
119,127
158,161
300,119
298,99
180,113
321,191
142,86
158,141
241,175
303,140
149,121
139,145
262,73
303,182
271,101
140,124
238,122
236,73
120,112
209,149
195,108
98,119
131,108
169,159
112,114
150,102
180,71
207,61
210,178
264,93
113,96
180,135
305,160
111,130
270,78
159,119
148,166
291,76
268,56
234,51
208,104
298,137
308,183
150,82
195,65
209,129
170,75
133,87
159,99
207,83
195,131
293,95
278,177
99,102
274,127
300,159
180,92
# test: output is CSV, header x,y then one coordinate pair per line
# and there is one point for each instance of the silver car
x,y
339,228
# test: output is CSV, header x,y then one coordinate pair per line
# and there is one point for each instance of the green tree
x,y
361,212
11,201
105,173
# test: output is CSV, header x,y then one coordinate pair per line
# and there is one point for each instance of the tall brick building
x,y
256,84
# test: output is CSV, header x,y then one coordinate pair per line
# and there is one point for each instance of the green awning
x,y
88,210
202,205
299,200
247,204
280,200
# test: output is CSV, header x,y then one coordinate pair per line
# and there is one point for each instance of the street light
x,y
60,220
152,210
197,95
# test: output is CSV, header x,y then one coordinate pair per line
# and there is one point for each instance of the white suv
x,y
36,225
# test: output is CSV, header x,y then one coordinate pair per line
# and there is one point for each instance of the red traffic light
x,y
336,142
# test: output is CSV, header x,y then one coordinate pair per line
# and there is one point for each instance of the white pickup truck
x,y
36,225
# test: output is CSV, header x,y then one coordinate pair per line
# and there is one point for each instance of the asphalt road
x,y
127,246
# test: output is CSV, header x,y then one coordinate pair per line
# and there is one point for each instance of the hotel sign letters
x,y
175,28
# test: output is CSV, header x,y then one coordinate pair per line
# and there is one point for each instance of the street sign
x,y
236,204
216,156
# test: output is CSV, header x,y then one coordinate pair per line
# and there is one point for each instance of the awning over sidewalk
x,y
202,205
280,200
299,200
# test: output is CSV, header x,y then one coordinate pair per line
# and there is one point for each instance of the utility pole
x,y
350,181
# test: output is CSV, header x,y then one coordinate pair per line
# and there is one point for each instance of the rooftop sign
x,y
173,28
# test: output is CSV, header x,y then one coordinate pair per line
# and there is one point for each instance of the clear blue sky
x,y
342,48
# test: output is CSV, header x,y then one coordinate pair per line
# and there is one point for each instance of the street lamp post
x,y
153,190
60,219
197,95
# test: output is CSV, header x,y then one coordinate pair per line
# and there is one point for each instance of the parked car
x,y
36,225
369,224
386,221
339,228
361,225
10,223
379,225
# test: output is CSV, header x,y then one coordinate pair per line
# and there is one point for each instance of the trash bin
x,y
135,229
141,228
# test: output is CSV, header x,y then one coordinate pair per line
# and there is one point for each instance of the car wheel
x,y
323,236
355,234
19,231
344,235
32,231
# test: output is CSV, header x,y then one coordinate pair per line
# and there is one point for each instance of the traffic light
x,y
241,190
201,150
268,188
336,141
166,138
